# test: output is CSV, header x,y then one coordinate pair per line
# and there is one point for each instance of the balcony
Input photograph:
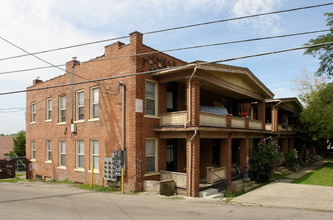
x,y
211,120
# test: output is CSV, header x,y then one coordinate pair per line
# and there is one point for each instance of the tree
x,y
325,53
319,114
262,160
316,120
307,85
19,145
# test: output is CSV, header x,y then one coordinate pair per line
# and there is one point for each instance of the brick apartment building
x,y
181,120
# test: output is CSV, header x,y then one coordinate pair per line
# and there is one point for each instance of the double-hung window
x,y
62,153
94,154
151,98
33,112
151,155
48,151
62,108
80,154
94,102
80,105
49,109
33,150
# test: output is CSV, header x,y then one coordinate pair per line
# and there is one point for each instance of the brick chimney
x,y
136,42
70,64
36,81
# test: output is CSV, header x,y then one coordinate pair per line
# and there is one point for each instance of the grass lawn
x,y
322,176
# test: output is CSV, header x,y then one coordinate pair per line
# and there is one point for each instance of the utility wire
x,y
172,29
52,65
172,68
179,49
28,53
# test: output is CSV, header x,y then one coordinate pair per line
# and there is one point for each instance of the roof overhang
x,y
291,104
237,82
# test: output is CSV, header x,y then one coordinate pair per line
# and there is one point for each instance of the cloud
x,y
264,24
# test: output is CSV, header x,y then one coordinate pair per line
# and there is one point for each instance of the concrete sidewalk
x,y
288,195
308,169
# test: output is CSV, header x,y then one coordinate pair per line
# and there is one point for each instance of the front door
x,y
171,152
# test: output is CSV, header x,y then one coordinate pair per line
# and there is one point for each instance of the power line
x,y
179,49
171,68
52,65
172,29
28,53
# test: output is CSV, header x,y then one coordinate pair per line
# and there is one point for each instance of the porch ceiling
x,y
231,81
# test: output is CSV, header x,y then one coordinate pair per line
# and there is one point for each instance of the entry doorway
x,y
171,155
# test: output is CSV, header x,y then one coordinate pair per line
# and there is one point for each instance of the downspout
x,y
190,156
123,116
72,95
123,135
190,98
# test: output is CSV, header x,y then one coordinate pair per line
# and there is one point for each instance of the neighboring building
x,y
6,145
195,109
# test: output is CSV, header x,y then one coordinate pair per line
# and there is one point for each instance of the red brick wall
x,y
225,156
262,112
193,170
108,129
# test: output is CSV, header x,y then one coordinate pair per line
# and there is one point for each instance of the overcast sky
x,y
37,25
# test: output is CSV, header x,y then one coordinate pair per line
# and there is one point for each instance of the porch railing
x,y
238,122
179,178
209,119
173,118
280,128
268,127
255,124
215,174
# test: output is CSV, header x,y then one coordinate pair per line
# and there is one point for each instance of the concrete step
x,y
215,196
207,192
238,185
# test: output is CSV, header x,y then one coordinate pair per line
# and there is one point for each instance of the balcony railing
x,y
173,118
268,127
210,119
281,128
255,124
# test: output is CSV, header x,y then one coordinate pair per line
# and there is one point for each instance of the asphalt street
x,y
38,200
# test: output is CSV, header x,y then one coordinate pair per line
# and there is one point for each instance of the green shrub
x,y
291,158
262,160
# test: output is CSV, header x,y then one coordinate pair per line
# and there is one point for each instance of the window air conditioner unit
x,y
73,128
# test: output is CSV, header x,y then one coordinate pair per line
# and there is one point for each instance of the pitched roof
x,y
6,144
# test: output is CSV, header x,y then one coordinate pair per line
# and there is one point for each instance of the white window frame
x,y
62,153
92,155
49,109
33,112
155,99
78,106
155,156
94,103
62,108
78,154
33,151
48,149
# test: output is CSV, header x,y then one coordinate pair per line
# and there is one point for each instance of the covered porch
x,y
199,159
